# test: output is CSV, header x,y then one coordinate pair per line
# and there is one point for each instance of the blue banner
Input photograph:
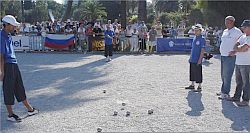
x,y
170,44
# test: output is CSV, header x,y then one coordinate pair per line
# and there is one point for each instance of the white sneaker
x,y
14,118
35,111
110,59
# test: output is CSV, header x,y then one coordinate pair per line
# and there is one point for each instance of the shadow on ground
x,y
240,116
195,103
53,82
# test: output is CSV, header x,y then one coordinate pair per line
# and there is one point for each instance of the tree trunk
x,y
142,10
67,13
123,13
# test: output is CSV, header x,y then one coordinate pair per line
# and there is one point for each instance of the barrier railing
x,y
36,42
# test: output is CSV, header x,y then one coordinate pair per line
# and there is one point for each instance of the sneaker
x,y
243,103
232,99
110,59
14,118
198,89
224,96
191,87
33,112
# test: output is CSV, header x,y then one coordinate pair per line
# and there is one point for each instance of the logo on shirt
x,y
197,43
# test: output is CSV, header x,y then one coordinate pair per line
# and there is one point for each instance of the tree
x,y
27,4
131,7
123,13
196,16
39,13
67,12
216,11
142,10
166,6
112,8
56,8
91,10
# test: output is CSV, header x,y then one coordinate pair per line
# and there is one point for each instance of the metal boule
x,y
127,113
99,129
115,113
151,111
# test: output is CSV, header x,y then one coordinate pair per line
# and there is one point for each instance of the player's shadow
x,y
195,103
59,82
240,116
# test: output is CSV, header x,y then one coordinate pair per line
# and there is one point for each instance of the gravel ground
x,y
68,90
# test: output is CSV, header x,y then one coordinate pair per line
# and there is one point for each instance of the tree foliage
x,y
90,10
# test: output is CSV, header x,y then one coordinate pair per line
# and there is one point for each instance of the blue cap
x,y
245,23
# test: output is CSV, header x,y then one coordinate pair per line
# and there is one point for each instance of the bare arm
x,y
235,49
242,48
201,56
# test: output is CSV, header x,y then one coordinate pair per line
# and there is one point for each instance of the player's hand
x,y
245,48
199,63
232,53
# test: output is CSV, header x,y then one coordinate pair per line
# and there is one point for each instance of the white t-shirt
x,y
243,58
228,40
81,32
68,30
129,32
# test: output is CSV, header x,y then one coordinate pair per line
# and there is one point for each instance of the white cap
x,y
198,26
230,18
11,20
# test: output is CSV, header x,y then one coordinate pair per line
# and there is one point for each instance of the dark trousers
x,y
13,84
195,72
108,50
142,44
90,40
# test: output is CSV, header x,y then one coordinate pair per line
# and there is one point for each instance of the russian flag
x,y
59,41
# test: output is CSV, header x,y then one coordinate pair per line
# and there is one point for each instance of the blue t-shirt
x,y
108,41
198,43
6,48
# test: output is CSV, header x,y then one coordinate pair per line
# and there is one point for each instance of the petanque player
x,y
9,72
109,34
197,52
242,70
228,39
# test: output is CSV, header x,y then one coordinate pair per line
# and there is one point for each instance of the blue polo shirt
x,y
6,48
107,40
198,43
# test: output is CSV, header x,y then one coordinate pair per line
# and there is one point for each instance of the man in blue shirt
x,y
197,52
10,75
109,34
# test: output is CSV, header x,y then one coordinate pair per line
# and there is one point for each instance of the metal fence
x,y
36,43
